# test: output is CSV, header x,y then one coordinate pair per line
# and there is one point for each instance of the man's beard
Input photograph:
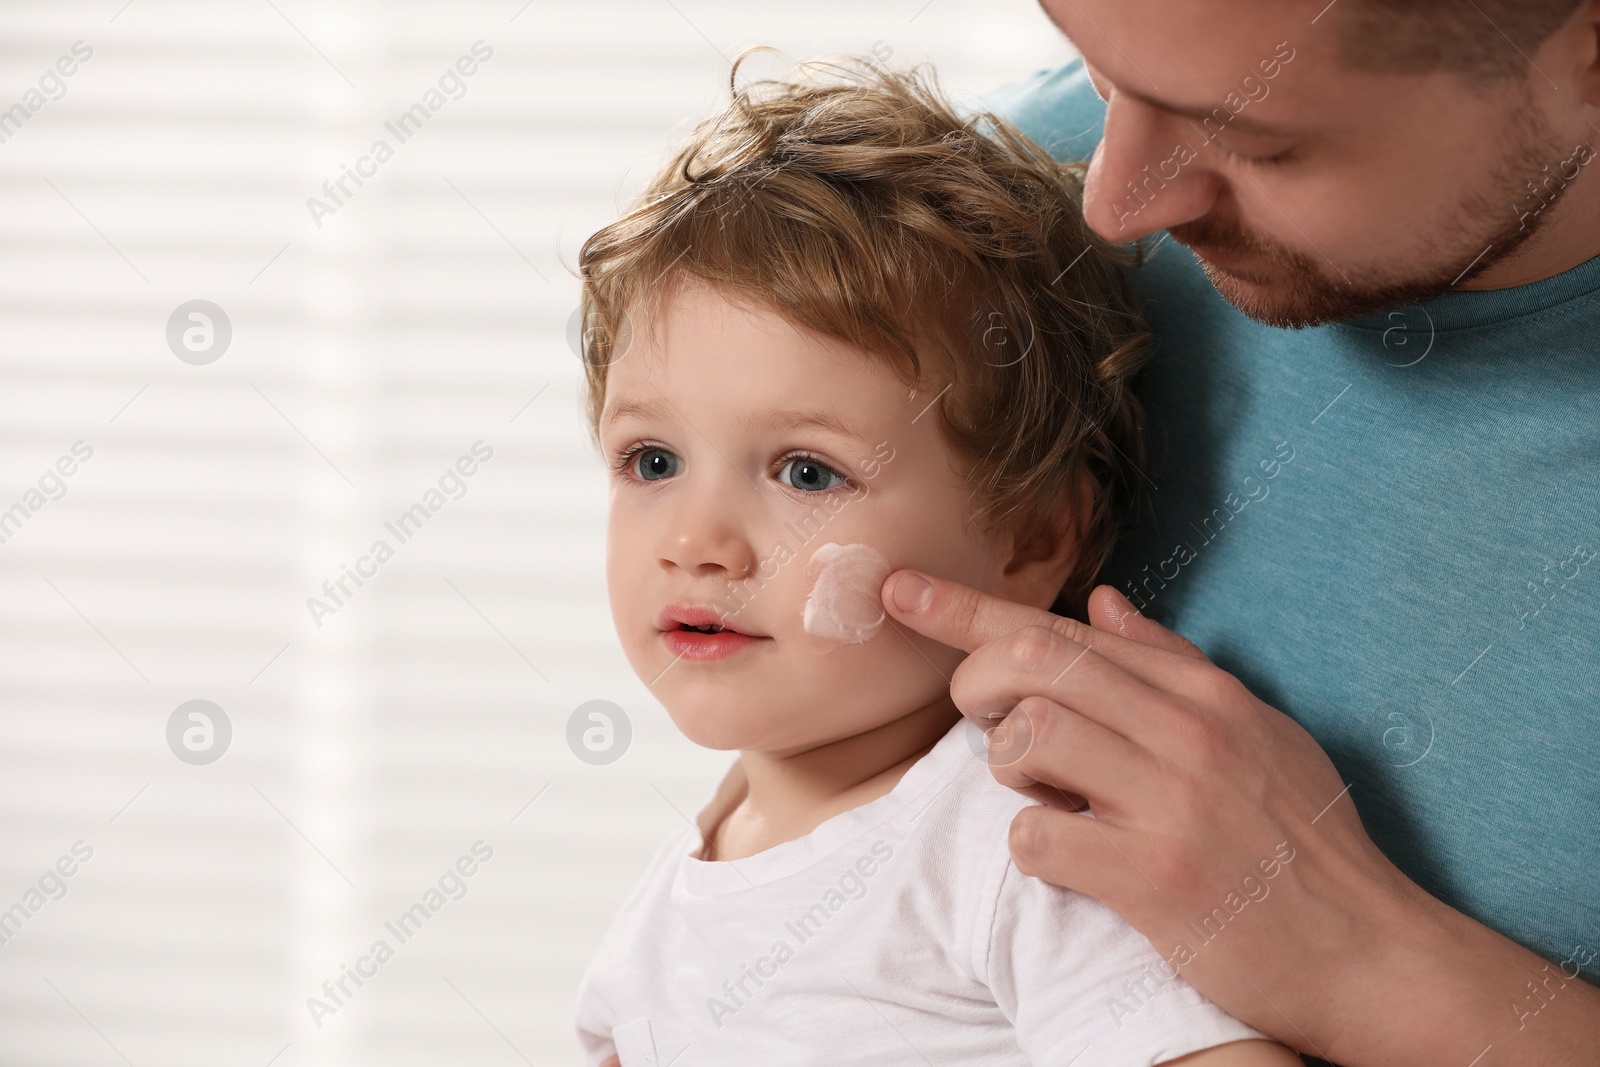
x,y
1294,290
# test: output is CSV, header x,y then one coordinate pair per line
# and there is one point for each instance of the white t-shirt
x,y
896,932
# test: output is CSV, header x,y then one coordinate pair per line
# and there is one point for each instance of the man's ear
x,y
1041,551
1574,50
1587,19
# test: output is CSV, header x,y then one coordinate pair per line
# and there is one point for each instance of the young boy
x,y
848,330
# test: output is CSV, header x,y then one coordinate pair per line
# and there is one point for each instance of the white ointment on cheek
x,y
844,603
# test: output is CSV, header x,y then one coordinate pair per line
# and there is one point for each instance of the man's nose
x,y
1150,172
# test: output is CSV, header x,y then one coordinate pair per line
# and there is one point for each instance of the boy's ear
x,y
1041,552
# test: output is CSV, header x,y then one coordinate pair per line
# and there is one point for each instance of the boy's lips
x,y
694,645
696,632
691,616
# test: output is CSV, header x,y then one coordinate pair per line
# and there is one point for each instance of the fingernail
x,y
912,592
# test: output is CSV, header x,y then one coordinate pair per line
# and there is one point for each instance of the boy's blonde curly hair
x,y
856,201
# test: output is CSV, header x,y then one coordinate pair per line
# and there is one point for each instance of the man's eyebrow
x,y
1243,123
1247,126
773,419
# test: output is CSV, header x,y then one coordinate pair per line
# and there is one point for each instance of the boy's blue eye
x,y
654,464
808,475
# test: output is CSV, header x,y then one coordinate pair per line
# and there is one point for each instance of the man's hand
x,y
1223,833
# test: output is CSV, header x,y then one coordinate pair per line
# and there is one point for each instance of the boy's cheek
x,y
855,688
625,590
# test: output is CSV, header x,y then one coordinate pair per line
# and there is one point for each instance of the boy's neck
x,y
788,795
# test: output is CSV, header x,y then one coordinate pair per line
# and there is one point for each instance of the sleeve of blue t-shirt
x,y
1057,107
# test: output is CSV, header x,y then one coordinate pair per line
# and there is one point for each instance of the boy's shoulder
x,y
642,906
961,804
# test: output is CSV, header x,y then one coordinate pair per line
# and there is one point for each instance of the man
x,y
1384,521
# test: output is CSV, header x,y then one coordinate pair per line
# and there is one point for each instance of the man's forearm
x,y
1448,990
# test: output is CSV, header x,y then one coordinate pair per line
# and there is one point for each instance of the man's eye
x,y
1267,158
805,473
654,464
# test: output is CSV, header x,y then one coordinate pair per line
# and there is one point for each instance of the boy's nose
x,y
706,539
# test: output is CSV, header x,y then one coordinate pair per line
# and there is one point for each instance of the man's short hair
x,y
856,201
1482,40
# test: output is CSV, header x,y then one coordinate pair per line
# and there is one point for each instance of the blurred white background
x,y
428,312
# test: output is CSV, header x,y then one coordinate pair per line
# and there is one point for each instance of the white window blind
x,y
178,525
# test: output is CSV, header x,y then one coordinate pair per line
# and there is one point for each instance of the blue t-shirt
x,y
1389,528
